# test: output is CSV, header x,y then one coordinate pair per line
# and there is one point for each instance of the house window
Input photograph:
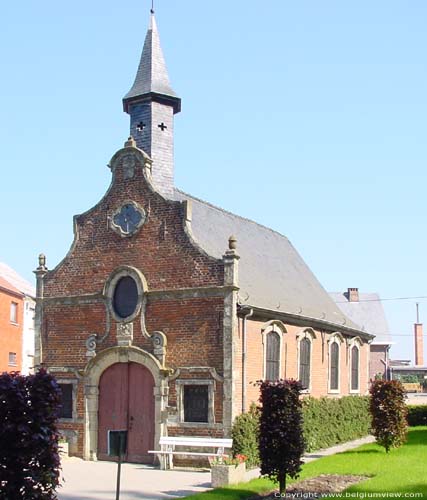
x,y
12,359
14,312
272,358
334,367
196,403
354,382
305,362
66,410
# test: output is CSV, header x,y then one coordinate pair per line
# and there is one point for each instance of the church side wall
x,y
319,376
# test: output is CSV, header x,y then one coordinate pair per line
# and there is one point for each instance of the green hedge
x,y
417,415
328,422
245,434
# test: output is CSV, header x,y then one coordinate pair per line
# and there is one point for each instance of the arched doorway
x,y
126,402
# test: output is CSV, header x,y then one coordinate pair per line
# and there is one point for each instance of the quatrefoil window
x,y
128,219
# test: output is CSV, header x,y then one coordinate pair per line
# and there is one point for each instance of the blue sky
x,y
308,117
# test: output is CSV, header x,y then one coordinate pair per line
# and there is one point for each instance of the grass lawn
x,y
403,470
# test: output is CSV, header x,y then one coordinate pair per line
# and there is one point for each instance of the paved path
x,y
97,480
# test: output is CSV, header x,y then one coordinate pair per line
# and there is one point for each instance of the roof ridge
x,y
234,215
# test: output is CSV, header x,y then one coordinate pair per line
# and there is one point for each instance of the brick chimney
x,y
418,334
353,294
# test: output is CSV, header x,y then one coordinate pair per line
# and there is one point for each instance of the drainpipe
x,y
246,312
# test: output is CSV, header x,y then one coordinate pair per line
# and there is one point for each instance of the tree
x,y
281,442
388,412
29,459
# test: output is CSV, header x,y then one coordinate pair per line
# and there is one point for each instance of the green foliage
x,y
332,421
388,411
245,434
417,415
326,422
29,460
281,440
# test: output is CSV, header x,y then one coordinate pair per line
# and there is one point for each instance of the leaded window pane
x,y
354,368
334,366
66,410
272,360
304,363
125,299
196,403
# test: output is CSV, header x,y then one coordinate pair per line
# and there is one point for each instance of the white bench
x,y
167,445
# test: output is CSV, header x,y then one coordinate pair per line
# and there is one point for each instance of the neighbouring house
x,y
366,310
17,309
167,308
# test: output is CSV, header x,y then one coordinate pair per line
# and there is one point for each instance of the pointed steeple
x,y
151,104
152,79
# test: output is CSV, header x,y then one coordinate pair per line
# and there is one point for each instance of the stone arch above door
x,y
93,372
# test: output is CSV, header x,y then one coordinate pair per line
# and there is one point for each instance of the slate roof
x,y
272,275
12,277
152,75
368,313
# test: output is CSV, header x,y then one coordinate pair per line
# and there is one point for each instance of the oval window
x,y
125,298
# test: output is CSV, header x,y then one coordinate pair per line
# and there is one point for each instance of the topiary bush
x,y
328,421
245,434
29,460
388,411
281,440
417,415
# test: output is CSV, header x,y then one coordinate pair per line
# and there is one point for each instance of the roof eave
x,y
169,100
300,320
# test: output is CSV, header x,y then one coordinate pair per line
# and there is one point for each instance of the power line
x,y
383,300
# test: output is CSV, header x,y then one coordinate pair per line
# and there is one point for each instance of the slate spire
x,y
151,104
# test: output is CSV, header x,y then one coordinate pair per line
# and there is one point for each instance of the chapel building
x,y
166,308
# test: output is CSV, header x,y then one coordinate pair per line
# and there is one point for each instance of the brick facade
x,y
10,331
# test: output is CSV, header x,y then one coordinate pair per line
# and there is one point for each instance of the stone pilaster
x,y
40,273
230,337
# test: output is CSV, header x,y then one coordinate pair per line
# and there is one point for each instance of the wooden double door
x,y
126,402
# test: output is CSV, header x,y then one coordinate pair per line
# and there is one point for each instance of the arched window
x,y
272,356
334,367
305,362
354,380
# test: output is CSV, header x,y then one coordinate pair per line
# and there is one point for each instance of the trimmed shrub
x,y
245,434
388,411
328,422
281,441
417,415
29,460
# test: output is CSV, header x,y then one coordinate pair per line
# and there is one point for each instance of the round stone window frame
x,y
110,287
138,208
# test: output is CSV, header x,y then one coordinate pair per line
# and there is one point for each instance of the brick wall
x,y
289,364
378,360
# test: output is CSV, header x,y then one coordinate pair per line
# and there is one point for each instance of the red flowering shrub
x,y
281,441
388,411
29,460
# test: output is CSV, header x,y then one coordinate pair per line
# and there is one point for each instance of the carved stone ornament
x,y
129,165
124,334
91,346
159,343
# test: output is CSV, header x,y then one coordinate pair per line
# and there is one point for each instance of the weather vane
x,y
152,6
